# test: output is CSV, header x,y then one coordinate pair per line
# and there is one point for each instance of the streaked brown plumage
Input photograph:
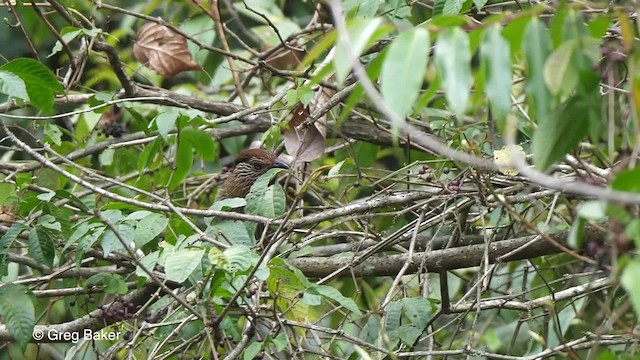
x,y
249,166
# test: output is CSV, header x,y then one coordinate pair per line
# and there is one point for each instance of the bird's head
x,y
249,166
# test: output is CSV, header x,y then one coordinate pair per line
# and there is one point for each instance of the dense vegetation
x,y
462,179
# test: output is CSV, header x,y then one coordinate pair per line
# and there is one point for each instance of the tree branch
x,y
439,260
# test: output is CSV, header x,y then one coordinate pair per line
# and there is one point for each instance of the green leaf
x,y
230,203
576,233
64,194
561,132
68,33
40,82
7,193
333,294
165,122
16,309
599,26
53,133
49,222
41,247
147,156
536,48
394,312
12,85
373,68
629,280
373,327
252,350
480,3
361,32
46,196
496,54
418,310
106,157
632,230
274,201
5,244
452,7
285,282
408,334
230,231
80,230
593,210
184,161
113,283
181,263
453,57
325,42
110,241
258,189
87,242
403,70
149,227
573,26
627,180
438,7
281,341
202,142
514,32
558,72
239,258
149,262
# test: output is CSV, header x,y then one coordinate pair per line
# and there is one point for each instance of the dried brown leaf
x,y
285,59
306,143
163,50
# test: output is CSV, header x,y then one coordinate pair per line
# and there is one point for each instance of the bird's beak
x,y
280,164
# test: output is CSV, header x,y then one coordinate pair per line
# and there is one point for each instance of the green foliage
x,y
403,70
495,53
559,134
264,199
179,264
5,244
361,34
536,47
453,57
113,283
40,83
16,310
628,180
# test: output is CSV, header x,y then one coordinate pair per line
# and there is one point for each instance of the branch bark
x,y
439,260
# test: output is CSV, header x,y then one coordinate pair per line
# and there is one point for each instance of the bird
x,y
249,165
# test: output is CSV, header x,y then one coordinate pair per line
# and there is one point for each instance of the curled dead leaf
x,y
163,50
306,143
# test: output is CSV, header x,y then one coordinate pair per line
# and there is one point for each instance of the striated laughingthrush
x,y
249,166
